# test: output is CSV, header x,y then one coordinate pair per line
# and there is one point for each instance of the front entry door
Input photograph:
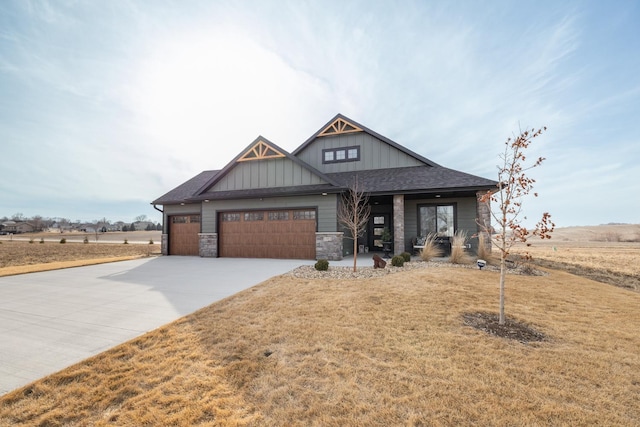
x,y
377,224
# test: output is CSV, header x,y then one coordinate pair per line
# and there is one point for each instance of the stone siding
x,y
164,244
484,219
208,245
398,224
329,246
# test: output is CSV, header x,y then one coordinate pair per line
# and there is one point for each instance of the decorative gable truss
x,y
339,126
261,150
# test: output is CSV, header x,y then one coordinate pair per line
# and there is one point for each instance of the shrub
x,y
322,265
458,255
31,240
126,242
151,241
406,256
430,250
63,240
86,240
41,240
397,261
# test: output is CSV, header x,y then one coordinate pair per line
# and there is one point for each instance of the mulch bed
x,y
512,329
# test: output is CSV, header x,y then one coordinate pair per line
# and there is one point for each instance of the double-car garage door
x,y
285,234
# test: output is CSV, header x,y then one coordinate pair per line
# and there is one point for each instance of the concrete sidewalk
x,y
53,319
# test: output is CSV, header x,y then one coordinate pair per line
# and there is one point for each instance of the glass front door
x,y
377,224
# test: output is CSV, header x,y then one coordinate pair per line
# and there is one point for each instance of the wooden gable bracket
x,y
261,150
339,126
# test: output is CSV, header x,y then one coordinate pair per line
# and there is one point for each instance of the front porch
x,y
409,216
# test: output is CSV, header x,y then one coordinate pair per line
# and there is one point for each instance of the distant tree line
x,y
39,223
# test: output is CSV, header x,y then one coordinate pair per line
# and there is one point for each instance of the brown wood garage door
x,y
285,234
183,234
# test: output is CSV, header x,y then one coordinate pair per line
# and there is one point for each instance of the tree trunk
x,y
355,253
503,272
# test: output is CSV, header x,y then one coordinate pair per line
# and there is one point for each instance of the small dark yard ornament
x,y
378,262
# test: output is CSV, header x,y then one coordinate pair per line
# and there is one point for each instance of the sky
x,y
107,105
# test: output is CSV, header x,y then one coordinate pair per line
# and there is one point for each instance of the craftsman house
x,y
268,203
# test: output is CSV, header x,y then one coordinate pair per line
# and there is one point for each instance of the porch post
x,y
398,224
484,219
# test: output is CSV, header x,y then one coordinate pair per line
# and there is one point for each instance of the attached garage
x,y
183,234
285,234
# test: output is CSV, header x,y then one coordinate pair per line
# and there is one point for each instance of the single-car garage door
x,y
183,234
285,234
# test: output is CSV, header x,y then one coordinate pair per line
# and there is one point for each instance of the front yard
x,y
392,350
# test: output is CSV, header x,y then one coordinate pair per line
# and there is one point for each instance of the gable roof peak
x,y
260,149
348,125
339,126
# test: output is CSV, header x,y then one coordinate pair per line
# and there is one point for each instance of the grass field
x,y
365,352
20,256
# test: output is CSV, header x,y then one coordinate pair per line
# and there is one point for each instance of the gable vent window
x,y
340,155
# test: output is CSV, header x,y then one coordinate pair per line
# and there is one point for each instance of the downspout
x,y
162,212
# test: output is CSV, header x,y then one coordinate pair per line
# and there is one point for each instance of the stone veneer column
x,y
329,245
208,244
398,224
164,241
483,215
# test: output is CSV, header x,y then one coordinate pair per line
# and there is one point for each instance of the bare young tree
x,y
353,213
513,186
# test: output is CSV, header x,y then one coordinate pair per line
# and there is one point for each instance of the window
x,y
279,216
339,155
436,219
183,219
254,216
231,217
328,156
304,214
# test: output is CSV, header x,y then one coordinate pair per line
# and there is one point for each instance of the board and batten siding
x,y
374,154
326,216
268,173
186,209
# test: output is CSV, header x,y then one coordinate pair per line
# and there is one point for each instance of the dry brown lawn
x,y
615,263
374,352
18,256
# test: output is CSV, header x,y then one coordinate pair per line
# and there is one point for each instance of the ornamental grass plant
x,y
430,249
459,253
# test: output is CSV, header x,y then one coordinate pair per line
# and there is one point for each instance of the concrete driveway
x,y
53,319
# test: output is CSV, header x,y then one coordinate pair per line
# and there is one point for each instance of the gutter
x,y
156,208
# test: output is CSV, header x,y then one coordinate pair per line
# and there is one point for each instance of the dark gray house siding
x,y
269,173
374,154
